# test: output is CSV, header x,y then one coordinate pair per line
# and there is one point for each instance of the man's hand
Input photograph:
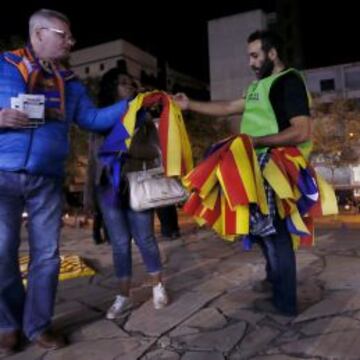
x,y
182,101
298,132
11,118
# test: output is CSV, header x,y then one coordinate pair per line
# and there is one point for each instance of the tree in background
x,y
336,133
204,131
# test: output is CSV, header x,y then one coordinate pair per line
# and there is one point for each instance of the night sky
x,y
330,33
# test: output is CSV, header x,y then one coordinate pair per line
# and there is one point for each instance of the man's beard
x,y
265,69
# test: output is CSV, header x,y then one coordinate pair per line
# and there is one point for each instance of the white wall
x,y
346,78
230,73
108,54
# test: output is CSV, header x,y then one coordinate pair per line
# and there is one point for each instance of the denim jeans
x,y
30,309
123,224
281,267
263,247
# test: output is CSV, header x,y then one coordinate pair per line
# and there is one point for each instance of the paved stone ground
x,y
211,316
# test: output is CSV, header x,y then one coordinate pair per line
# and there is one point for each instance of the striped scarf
x,y
42,77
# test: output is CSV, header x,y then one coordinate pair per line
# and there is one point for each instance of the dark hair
x,y
108,86
269,40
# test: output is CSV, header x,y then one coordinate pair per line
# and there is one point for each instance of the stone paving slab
x,y
98,330
251,317
330,325
99,301
71,313
341,273
80,293
342,345
212,316
221,341
281,357
203,355
254,342
208,318
236,300
334,304
161,355
152,322
106,349
29,353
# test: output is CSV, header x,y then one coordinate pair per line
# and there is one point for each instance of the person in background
x,y
167,215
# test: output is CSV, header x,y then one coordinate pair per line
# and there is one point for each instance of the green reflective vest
x,y
259,118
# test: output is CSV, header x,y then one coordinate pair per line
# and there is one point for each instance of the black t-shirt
x,y
288,98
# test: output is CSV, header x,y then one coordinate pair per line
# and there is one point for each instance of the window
x,y
327,85
102,67
87,70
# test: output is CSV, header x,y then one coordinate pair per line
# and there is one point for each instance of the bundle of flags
x,y
174,142
227,184
224,185
301,194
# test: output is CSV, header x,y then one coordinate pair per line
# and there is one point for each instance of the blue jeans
x,y
264,250
123,224
41,197
281,267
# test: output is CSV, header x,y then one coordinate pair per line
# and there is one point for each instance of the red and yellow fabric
x,y
174,141
229,180
287,172
224,185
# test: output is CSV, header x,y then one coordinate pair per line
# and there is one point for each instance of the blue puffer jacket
x,y
43,150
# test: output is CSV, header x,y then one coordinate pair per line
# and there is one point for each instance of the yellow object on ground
x,y
72,266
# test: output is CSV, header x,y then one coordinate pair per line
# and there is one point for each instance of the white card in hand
x,y
33,106
16,103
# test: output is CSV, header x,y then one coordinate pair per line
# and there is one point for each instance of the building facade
x,y
332,82
94,61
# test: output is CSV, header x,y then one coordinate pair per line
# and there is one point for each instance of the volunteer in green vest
x,y
275,112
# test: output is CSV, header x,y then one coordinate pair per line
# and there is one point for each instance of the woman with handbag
x,y
122,223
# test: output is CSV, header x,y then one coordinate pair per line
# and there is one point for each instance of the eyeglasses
x,y
62,34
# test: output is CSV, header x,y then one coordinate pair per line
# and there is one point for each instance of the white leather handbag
x,y
151,189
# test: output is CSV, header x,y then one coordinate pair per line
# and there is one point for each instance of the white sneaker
x,y
117,307
160,297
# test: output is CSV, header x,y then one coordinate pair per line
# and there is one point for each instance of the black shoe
x,y
267,305
49,340
98,239
175,235
10,342
263,286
